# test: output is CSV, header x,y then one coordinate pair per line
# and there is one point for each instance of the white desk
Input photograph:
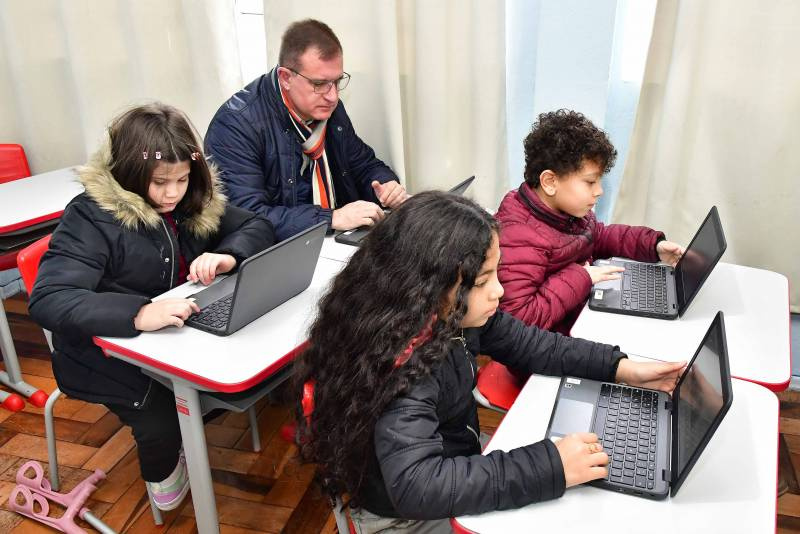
x,y
732,488
29,201
26,204
198,361
336,251
756,306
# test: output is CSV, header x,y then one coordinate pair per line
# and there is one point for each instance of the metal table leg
x,y
190,417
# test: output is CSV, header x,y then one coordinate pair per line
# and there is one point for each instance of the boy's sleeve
x,y
530,293
423,484
529,349
634,242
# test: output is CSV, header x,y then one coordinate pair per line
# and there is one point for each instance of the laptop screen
x,y
701,399
699,260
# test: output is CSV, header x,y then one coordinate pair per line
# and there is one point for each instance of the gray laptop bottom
x,y
263,282
652,440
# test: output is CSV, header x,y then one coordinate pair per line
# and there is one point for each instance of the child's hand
x,y
391,194
166,312
601,273
207,265
582,457
662,376
669,252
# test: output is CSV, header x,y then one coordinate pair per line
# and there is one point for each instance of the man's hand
x,y
662,376
355,214
669,252
391,194
601,273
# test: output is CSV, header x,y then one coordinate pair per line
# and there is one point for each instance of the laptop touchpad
x,y
572,416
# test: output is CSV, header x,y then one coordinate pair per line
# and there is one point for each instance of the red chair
x,y
497,387
13,163
13,166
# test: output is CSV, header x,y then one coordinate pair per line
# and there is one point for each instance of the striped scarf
x,y
312,138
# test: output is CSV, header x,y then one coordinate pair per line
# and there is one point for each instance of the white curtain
x,y
428,86
717,125
68,66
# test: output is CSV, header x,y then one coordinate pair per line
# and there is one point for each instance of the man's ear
x,y
284,77
548,181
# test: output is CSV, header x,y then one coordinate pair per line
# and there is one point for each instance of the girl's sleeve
x,y
423,484
243,234
64,298
531,350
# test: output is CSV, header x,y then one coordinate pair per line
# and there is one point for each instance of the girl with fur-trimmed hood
x,y
153,215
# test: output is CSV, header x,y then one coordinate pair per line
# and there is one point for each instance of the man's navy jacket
x,y
253,142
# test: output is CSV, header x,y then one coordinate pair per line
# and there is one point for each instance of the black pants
x,y
156,431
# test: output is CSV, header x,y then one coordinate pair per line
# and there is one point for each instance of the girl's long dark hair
x,y
400,276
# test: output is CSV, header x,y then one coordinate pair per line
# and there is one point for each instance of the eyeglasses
x,y
322,87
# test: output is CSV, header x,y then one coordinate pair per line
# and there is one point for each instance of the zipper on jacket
x,y
463,341
172,251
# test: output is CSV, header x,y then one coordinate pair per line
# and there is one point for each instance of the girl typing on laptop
x,y
152,216
394,425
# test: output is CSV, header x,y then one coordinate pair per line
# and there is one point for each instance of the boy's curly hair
x,y
560,141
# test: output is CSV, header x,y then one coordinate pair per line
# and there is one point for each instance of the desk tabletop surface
x,y
336,251
229,363
36,199
732,488
756,306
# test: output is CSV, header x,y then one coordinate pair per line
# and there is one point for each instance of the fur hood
x,y
131,210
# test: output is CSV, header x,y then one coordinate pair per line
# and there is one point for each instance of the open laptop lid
x,y
699,402
268,279
461,188
701,256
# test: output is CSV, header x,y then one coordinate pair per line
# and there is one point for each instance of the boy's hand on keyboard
x,y
582,457
166,312
208,265
669,252
601,273
662,376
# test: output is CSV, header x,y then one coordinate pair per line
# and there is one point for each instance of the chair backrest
x,y
28,261
13,163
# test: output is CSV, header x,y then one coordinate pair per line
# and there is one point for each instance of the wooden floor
x,y
270,491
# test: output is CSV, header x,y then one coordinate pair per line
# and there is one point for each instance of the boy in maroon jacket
x,y
549,235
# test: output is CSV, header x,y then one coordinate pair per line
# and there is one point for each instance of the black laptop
x,y
657,290
263,282
652,440
356,235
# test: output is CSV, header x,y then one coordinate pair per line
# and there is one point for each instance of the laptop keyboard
x,y
644,287
626,423
215,314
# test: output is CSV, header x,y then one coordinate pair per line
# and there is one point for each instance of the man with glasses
x,y
287,150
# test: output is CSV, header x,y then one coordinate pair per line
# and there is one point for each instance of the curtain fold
x,y
716,125
68,66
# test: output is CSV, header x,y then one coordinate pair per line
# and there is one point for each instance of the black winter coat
x,y
428,462
253,142
110,254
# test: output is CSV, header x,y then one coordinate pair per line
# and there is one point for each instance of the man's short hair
x,y
560,141
305,34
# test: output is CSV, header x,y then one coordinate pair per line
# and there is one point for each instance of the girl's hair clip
x,y
195,156
144,155
158,155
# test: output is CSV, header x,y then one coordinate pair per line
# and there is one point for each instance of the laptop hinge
x,y
666,474
668,405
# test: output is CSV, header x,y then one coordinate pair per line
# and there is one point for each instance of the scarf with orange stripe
x,y
312,138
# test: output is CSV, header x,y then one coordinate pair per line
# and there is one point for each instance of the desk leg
x,y
190,417
12,376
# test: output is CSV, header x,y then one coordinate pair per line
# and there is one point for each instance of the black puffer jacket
x,y
427,462
110,254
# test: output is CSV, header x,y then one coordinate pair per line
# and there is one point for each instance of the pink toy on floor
x,y
36,491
